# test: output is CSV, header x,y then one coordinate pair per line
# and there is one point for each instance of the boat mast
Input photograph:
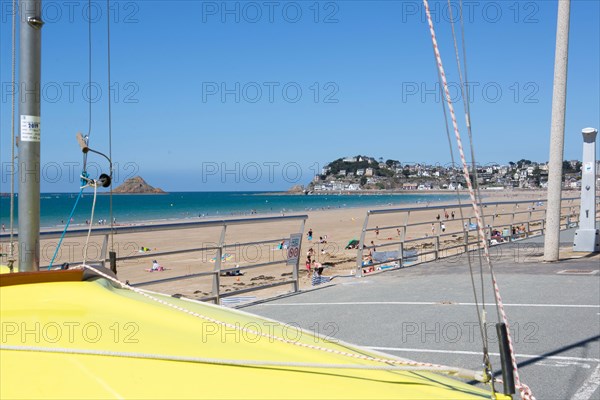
x,y
557,133
30,41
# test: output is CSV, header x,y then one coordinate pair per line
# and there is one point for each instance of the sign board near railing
x,y
293,251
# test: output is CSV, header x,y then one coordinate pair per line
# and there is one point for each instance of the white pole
x,y
557,134
587,237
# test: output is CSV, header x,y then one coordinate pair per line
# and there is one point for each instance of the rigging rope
x,y
466,104
85,180
523,389
460,372
62,236
482,318
89,17
231,362
87,239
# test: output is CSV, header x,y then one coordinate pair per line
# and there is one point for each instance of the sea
x,y
55,208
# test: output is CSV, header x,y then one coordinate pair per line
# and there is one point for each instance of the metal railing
x,y
523,222
219,247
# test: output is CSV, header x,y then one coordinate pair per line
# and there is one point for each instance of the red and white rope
x,y
523,389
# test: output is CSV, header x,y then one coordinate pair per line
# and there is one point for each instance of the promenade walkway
x,y
427,313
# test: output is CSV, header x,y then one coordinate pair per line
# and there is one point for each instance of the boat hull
x,y
89,339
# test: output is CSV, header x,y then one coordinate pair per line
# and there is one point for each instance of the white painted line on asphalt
x,y
478,353
586,391
426,303
562,364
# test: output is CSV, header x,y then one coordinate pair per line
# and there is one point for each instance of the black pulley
x,y
104,180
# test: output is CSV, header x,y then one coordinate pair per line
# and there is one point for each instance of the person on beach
x,y
309,234
373,248
317,276
443,227
309,255
376,231
452,214
308,265
156,266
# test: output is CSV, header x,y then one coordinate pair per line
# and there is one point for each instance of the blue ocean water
x,y
130,208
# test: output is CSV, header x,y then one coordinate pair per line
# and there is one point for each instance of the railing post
x,y
113,261
401,261
437,244
403,238
512,222
544,224
216,289
103,251
361,245
296,271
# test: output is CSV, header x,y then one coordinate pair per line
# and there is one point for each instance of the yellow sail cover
x,y
89,339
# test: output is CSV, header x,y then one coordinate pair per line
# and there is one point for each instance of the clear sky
x,y
260,95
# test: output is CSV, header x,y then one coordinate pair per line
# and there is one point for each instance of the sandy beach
x,y
338,226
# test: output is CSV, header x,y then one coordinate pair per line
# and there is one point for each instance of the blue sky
x,y
260,95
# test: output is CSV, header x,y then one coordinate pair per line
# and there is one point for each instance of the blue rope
x,y
68,221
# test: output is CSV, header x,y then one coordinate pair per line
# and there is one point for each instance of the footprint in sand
x,y
268,278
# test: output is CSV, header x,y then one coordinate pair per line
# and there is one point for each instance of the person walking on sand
x,y
309,254
377,231
309,234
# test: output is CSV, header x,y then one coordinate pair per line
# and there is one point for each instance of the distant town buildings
x,y
367,173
